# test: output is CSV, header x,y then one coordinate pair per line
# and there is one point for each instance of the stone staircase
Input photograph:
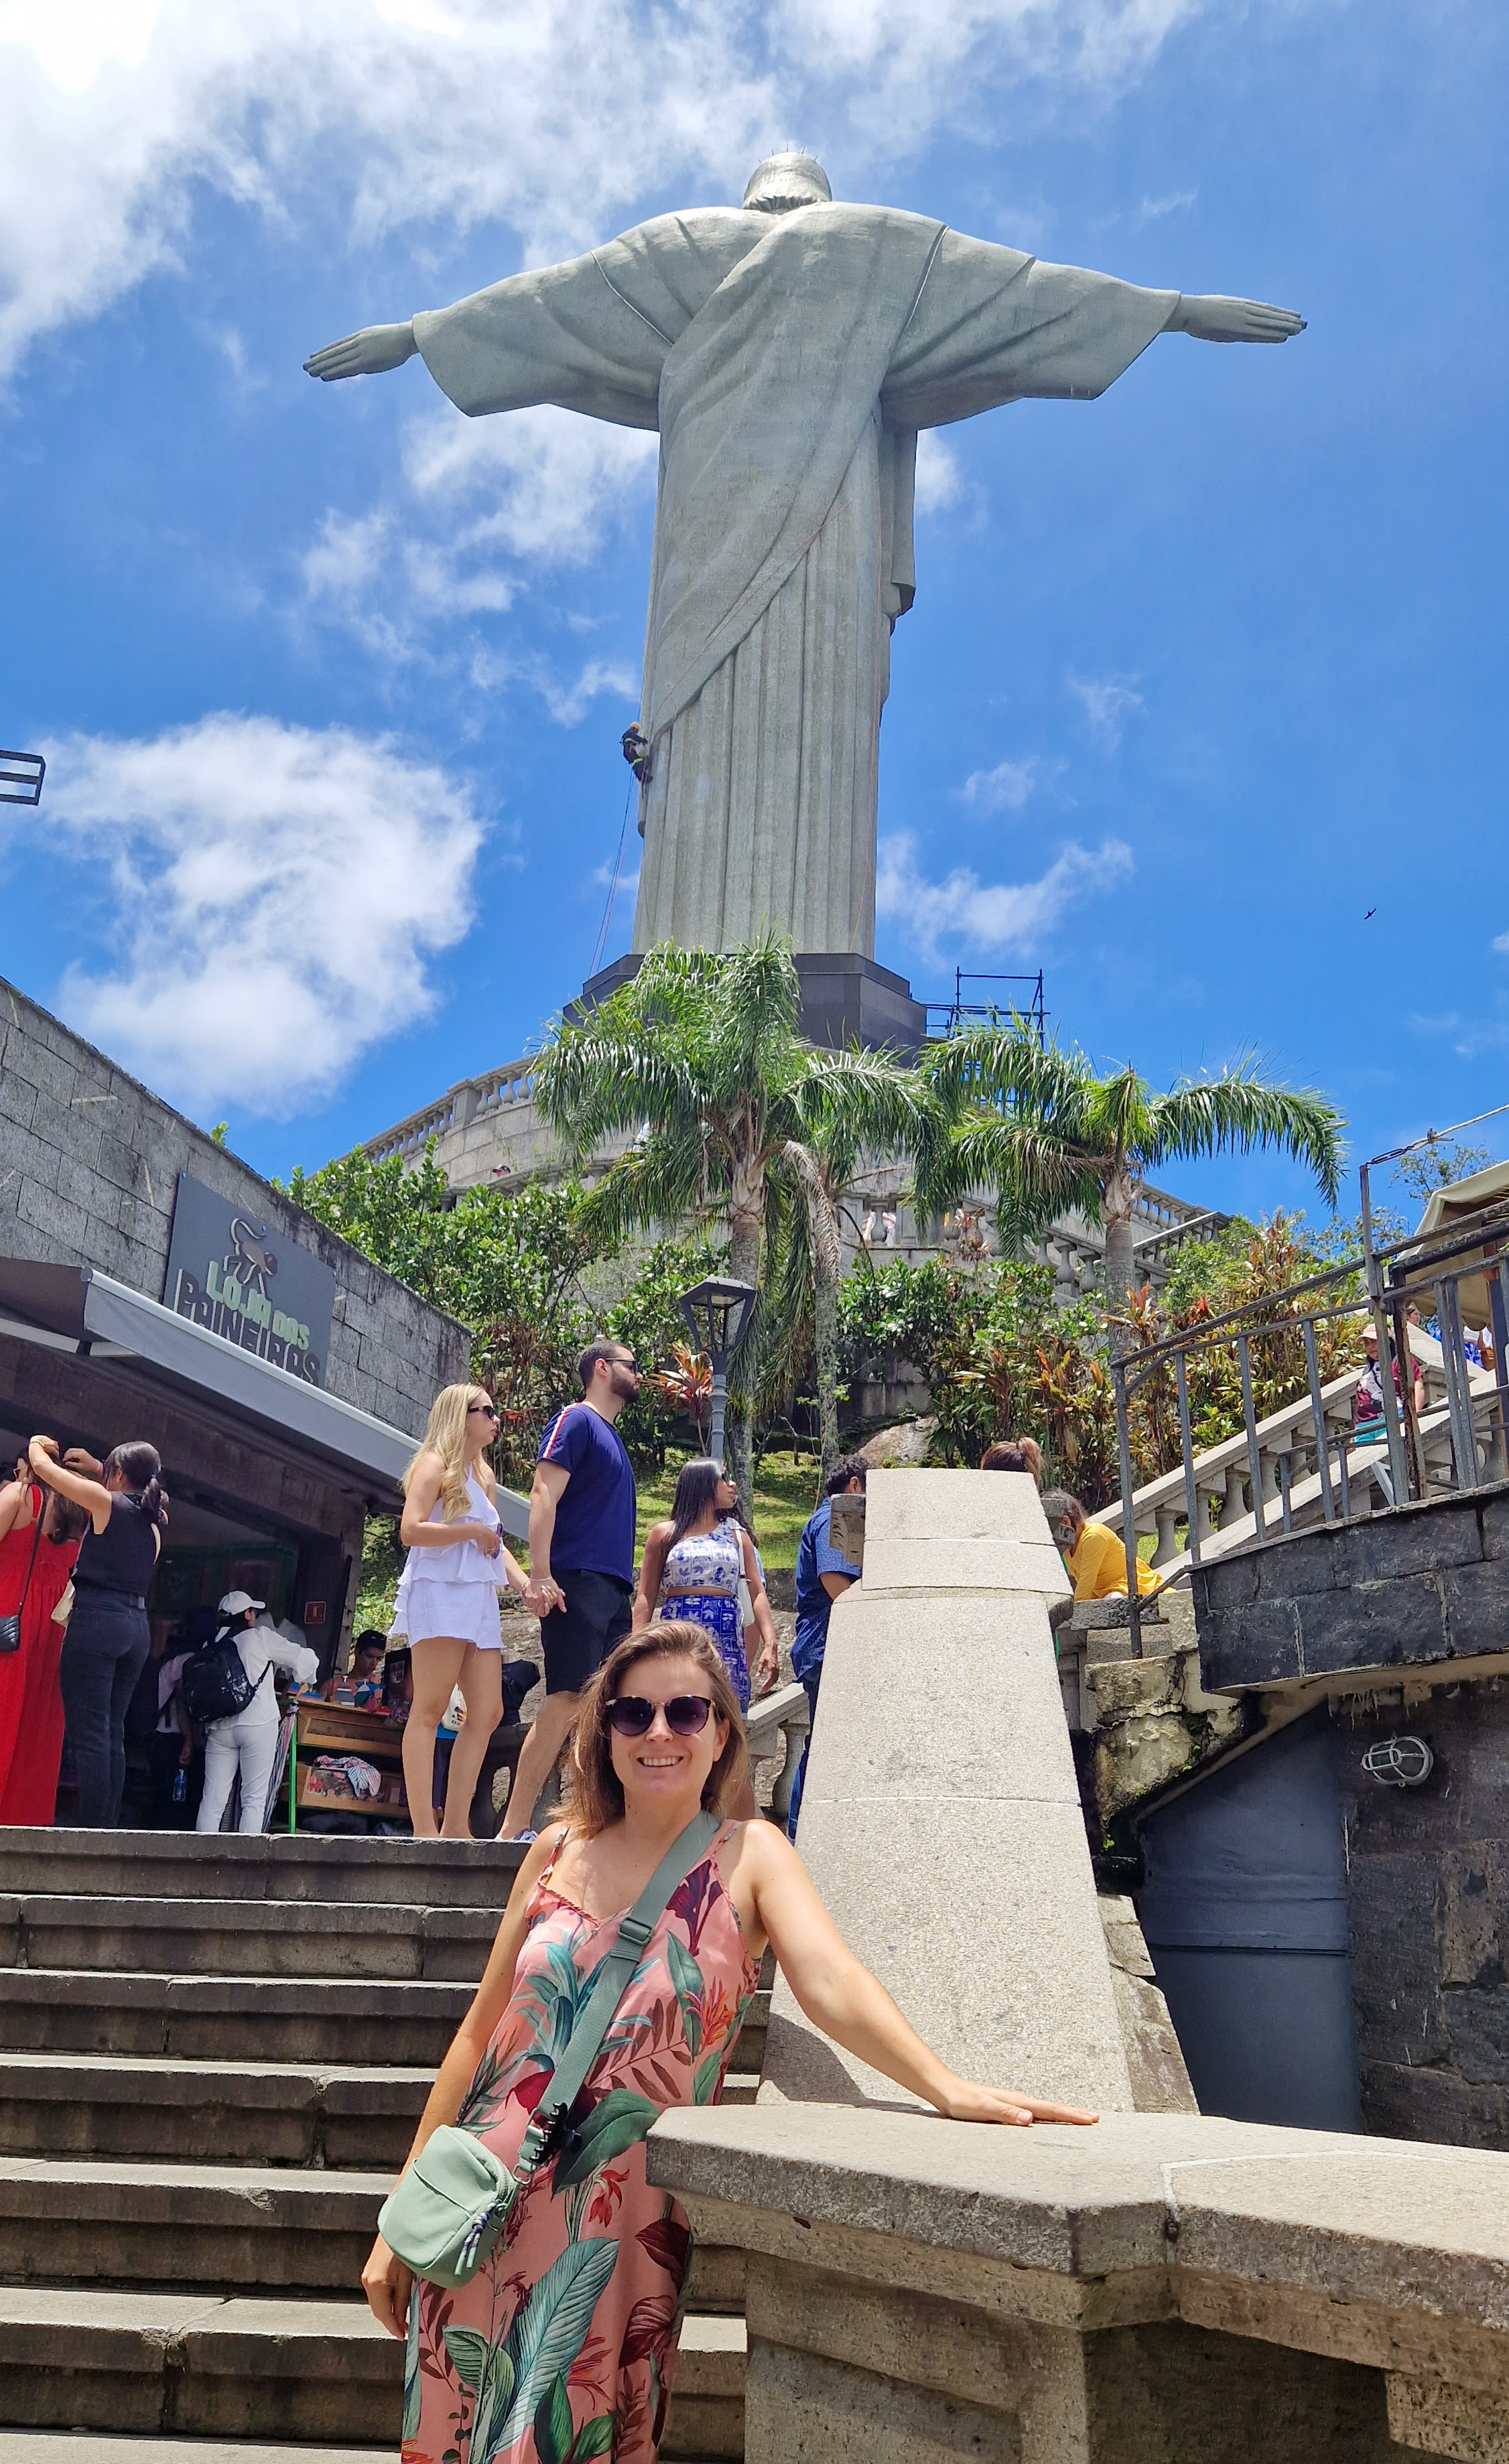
x,y
212,2054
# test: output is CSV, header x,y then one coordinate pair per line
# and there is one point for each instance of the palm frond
x,y
1239,1111
662,1181
1035,1173
589,1086
1007,1067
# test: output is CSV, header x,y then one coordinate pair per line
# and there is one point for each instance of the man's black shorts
x,y
577,1639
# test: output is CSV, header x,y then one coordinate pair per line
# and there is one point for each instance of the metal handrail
x,y
1394,1277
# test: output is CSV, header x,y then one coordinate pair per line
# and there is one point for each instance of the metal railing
x,y
1442,1421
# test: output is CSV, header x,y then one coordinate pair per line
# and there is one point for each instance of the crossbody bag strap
x,y
613,1977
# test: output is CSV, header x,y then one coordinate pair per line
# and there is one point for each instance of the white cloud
x,y
993,918
278,891
554,483
940,481
1107,705
1005,790
554,116
566,703
1153,210
1470,1036
1501,943
542,487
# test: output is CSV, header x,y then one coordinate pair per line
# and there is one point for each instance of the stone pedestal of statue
x,y
845,999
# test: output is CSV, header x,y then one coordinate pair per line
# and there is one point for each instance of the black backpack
x,y
215,1680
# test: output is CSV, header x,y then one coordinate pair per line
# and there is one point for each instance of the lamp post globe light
x,y
717,1310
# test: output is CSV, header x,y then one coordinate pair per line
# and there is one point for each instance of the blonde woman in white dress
x,y
448,1602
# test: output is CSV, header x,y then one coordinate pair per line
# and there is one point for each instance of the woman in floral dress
x,y
563,2345
692,1566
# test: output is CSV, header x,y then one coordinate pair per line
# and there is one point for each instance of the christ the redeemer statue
x,y
788,352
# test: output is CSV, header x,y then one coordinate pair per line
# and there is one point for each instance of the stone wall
x,y
89,1160
1426,1583
1427,1881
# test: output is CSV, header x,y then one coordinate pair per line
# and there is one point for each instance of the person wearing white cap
x,y
247,1740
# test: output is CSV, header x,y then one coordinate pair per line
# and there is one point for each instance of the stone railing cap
x,y
1399,2225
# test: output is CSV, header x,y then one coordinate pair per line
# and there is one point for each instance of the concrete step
x,y
225,2227
197,2364
406,2021
707,2418
145,2363
267,2019
211,2112
252,2227
215,1937
88,2446
221,1865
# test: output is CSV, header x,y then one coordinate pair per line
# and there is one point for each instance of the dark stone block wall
x,y
1427,1887
1427,1584
89,1161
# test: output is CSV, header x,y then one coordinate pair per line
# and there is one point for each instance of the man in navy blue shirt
x,y
822,1574
581,1556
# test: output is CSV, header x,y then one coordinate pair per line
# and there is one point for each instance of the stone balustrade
x,y
777,1725
1165,2288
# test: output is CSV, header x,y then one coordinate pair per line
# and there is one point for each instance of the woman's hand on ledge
x,y
962,2099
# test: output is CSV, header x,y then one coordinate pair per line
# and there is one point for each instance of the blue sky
x,y
331,680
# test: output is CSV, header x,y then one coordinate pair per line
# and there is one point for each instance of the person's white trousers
x,y
249,1741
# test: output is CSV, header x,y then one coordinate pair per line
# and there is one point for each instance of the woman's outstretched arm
x,y
840,1997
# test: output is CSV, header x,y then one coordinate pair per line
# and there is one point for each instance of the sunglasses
x,y
632,1715
486,1410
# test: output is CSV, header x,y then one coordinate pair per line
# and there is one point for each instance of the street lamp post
x,y
717,1311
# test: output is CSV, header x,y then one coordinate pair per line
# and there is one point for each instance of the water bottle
x,y
180,1786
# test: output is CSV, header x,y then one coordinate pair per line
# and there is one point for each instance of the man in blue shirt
x,y
822,1574
580,1557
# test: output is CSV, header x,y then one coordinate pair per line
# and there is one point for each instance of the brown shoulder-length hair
x,y
594,1796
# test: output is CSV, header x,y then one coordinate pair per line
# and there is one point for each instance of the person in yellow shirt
x,y
1095,1555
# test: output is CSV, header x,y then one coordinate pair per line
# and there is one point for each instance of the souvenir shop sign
x,y
233,1273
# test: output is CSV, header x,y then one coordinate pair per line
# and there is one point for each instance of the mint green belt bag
x,y
452,2202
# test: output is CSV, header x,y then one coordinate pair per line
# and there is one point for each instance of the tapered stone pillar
x,y
940,1819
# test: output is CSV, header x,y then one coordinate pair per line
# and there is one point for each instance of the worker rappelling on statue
x,y
789,352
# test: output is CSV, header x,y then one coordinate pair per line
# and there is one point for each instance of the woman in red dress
x,y
37,1563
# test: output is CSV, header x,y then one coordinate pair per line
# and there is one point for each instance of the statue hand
x,y
366,354
1214,320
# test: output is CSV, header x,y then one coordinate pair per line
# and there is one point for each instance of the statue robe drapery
x,y
788,363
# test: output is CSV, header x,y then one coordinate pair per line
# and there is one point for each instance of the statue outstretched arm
x,y
1216,320
366,354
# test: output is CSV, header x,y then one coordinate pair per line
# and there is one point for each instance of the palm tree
x,y
1038,1126
901,1118
700,1060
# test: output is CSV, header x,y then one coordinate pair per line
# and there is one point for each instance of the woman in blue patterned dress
x,y
691,1569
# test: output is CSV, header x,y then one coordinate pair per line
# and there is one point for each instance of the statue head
x,y
782,182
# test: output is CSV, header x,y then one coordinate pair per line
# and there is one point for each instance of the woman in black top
x,y
107,1641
